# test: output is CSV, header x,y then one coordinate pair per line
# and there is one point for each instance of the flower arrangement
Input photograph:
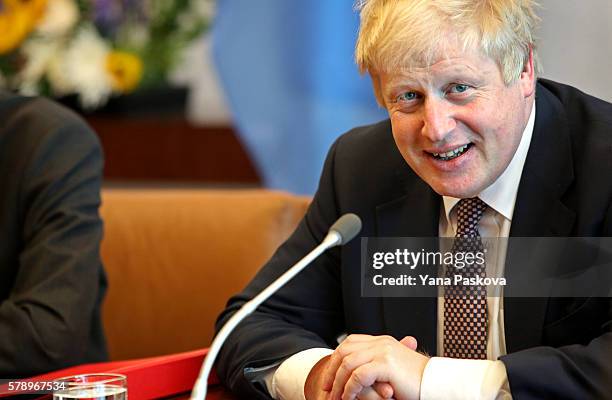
x,y
95,48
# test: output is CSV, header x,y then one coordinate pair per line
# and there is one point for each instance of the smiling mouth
x,y
450,155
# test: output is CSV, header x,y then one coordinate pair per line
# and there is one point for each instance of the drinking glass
x,y
92,387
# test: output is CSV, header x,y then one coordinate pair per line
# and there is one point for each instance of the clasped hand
x,y
368,367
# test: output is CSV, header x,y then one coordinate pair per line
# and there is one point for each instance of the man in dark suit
x,y
52,282
484,143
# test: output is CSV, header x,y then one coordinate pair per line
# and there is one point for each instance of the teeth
x,y
451,154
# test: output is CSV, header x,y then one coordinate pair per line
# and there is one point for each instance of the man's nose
x,y
438,119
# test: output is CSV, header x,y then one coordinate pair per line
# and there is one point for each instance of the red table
x,y
170,376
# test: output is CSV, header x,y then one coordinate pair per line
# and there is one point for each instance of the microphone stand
x,y
332,239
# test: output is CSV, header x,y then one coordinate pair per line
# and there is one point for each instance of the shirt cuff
x,y
451,378
287,381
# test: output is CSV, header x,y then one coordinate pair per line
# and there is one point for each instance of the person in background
x,y
475,146
51,278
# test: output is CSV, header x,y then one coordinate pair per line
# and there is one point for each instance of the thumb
x,y
384,389
410,342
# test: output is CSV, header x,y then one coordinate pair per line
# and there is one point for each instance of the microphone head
x,y
347,226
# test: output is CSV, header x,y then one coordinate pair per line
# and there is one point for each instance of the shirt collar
x,y
501,194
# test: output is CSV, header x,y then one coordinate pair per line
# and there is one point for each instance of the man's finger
x,y
361,378
350,344
410,342
370,393
346,368
384,390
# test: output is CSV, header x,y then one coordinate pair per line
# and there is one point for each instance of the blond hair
x,y
400,34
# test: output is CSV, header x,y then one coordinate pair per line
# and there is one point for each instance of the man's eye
x,y
408,96
458,88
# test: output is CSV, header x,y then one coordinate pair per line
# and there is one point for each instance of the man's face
x,y
455,122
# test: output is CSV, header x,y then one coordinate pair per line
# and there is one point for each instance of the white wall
x,y
575,44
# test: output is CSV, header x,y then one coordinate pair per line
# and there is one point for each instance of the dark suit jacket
x,y
51,277
557,348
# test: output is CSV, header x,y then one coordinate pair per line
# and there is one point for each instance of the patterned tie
x,y
465,307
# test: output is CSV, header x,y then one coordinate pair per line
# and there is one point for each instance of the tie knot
x,y
469,213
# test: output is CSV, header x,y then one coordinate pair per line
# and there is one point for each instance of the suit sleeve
x,y
580,371
577,371
46,323
305,313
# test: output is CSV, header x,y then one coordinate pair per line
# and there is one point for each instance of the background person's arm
x,y
48,320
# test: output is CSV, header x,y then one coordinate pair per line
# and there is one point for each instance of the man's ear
x,y
527,78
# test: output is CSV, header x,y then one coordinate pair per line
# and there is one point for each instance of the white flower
x,y
60,82
84,65
60,16
38,53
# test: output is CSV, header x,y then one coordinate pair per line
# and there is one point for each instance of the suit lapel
x,y
415,214
539,212
548,171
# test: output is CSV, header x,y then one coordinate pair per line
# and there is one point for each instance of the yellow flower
x,y
125,70
17,19
34,8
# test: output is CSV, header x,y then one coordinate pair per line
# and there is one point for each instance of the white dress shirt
x,y
447,378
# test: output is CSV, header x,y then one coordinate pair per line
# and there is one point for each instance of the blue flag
x,y
288,73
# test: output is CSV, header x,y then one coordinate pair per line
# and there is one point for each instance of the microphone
x,y
340,233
